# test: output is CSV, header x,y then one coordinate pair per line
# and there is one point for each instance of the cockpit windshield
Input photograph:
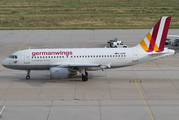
x,y
13,56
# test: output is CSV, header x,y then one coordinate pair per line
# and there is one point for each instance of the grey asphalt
x,y
107,95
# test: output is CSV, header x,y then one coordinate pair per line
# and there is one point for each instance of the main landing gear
x,y
85,77
28,75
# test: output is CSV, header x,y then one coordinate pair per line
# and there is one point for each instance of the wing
x,y
81,65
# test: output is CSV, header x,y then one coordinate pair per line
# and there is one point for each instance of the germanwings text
x,y
67,53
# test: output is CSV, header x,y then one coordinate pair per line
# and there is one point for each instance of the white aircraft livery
x,y
64,63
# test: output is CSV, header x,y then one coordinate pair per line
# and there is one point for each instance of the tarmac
x,y
148,91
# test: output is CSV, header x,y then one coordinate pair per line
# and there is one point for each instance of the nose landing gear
x,y
28,75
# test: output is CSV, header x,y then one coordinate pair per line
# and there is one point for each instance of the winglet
x,y
155,39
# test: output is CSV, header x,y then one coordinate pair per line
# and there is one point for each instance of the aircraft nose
x,y
4,62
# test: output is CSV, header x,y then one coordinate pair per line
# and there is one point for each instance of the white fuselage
x,y
44,59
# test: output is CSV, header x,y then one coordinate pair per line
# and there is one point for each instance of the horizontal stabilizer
x,y
177,36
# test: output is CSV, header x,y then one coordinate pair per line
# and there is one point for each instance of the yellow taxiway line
x,y
24,43
1,67
144,101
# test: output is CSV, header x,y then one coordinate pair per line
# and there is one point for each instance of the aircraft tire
x,y
27,77
84,78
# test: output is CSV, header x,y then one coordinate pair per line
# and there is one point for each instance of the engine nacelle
x,y
59,73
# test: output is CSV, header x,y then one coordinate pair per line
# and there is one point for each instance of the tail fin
x,y
155,39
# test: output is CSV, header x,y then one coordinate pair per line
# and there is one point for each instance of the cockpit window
x,y
13,56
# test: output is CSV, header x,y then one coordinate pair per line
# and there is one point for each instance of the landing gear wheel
x,y
27,77
84,78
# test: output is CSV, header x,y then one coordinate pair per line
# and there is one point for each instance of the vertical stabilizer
x,y
155,39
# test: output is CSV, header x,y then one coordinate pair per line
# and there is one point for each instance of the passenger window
x,y
15,56
48,56
121,55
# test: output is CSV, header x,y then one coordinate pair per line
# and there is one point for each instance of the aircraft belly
x,y
28,67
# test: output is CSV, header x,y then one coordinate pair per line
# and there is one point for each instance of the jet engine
x,y
59,73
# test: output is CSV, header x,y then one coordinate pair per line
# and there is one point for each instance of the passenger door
x,y
26,58
134,56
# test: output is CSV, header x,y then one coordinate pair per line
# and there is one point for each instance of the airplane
x,y
64,63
